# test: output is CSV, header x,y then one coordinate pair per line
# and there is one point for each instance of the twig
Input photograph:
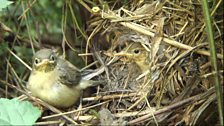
x,y
85,54
26,65
109,97
47,123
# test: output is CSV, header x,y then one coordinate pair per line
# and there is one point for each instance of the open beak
x,y
122,53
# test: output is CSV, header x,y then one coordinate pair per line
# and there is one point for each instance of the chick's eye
x,y
136,51
36,60
52,58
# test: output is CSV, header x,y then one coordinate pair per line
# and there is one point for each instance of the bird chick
x,y
136,53
55,80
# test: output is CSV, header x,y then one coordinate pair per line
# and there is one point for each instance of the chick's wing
x,y
68,73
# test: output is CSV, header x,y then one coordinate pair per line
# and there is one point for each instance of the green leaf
x,y
15,112
4,4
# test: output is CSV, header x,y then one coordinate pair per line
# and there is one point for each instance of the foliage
x,y
181,89
15,112
4,4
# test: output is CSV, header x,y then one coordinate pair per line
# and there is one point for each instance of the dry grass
x,y
177,86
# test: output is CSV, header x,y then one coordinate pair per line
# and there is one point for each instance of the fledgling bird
x,y
55,80
136,53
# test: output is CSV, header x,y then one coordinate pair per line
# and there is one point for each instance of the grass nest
x,y
166,78
157,66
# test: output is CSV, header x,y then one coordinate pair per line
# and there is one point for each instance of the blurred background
x,y
162,43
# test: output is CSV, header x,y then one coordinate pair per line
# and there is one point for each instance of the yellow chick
x,y
136,53
55,80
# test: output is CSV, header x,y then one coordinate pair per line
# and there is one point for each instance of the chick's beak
x,y
44,65
44,62
122,53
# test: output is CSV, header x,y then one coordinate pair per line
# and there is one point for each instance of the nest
x,y
165,79
176,87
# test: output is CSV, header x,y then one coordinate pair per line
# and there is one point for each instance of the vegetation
x,y
163,59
